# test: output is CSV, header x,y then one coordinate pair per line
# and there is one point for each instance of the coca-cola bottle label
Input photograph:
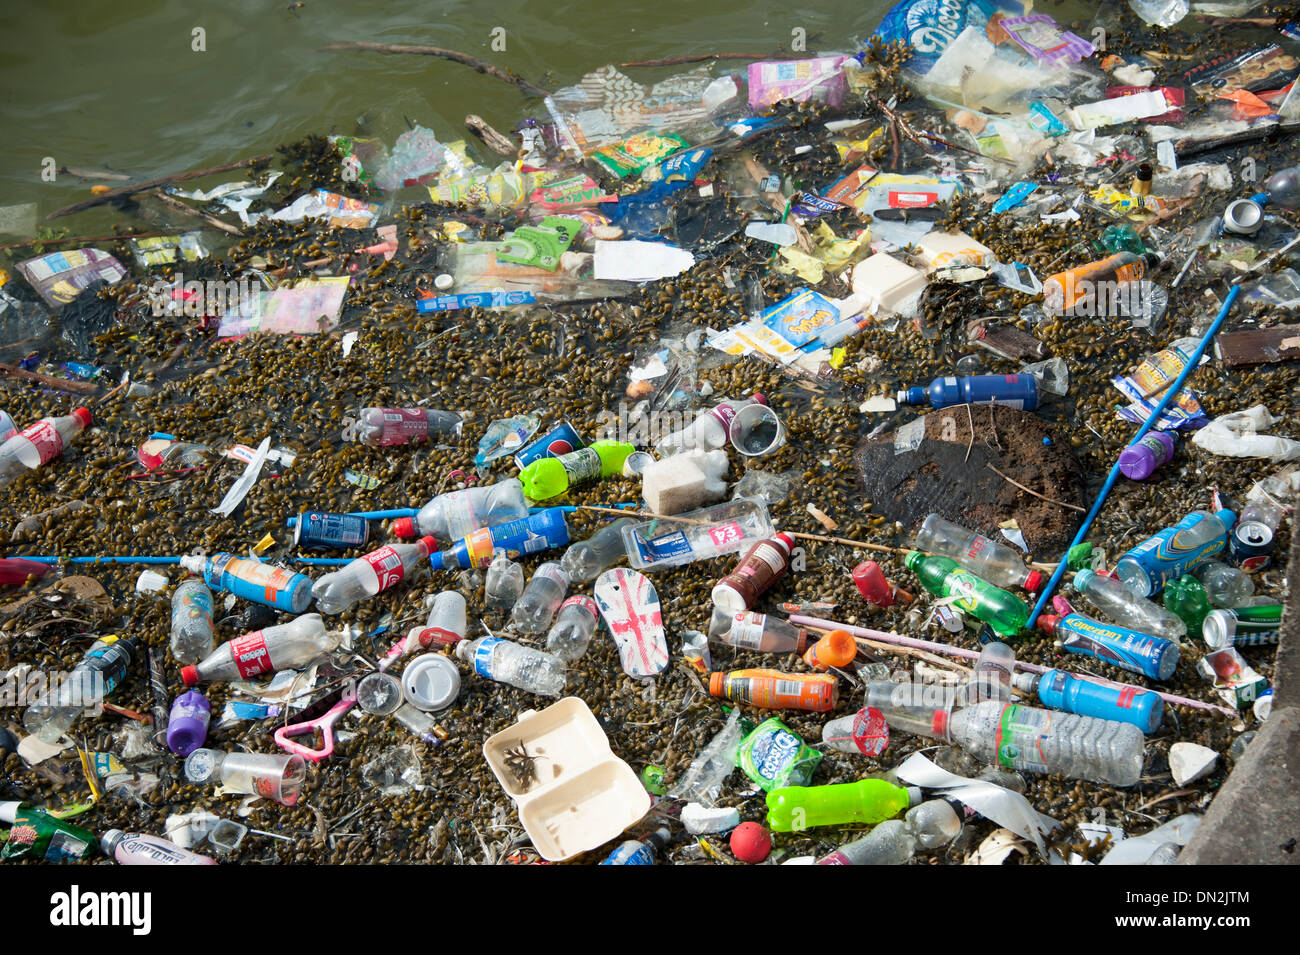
x,y
583,601
46,439
387,565
725,414
250,654
404,425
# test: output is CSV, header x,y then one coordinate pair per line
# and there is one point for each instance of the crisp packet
x,y
929,26
695,649
1041,38
802,316
59,277
774,756
637,152
1143,388
166,249
1267,68
820,78
1236,681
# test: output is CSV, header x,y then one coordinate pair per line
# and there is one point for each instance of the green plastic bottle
x,y
795,808
1003,611
546,478
1187,598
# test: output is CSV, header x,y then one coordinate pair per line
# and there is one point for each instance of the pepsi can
x,y
1251,545
317,530
561,439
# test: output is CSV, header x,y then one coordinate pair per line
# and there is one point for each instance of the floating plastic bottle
x,y
1226,586
274,777
253,580
367,576
187,724
1175,551
93,678
991,678
774,690
538,532
141,849
762,566
503,583
1127,649
504,661
283,647
546,478
586,560
449,517
447,621
711,429
1111,597
385,427
1059,690
1186,599
40,443
999,564
1004,612
795,808
191,637
1014,391
1139,461
929,825
698,535
574,626
639,852
540,599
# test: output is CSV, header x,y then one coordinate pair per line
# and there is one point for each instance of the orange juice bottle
x,y
1064,290
836,649
774,690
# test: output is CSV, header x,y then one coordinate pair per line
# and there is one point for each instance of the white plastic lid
x,y
9,812
431,682
201,765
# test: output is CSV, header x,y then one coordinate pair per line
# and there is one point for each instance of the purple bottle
x,y
1139,461
187,729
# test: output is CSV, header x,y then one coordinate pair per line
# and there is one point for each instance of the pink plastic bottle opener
x,y
325,723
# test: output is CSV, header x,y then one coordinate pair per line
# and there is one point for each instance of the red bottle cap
x,y
1047,622
758,398
430,545
190,675
82,415
404,527
439,636
1033,581
786,541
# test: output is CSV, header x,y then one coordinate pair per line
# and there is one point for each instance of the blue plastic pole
x,y
1152,418
371,515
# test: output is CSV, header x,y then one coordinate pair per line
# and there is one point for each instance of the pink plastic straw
x,y
884,636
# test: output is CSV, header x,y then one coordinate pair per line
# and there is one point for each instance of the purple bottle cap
x,y
187,727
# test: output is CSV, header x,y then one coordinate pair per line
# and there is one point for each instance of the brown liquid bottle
x,y
765,564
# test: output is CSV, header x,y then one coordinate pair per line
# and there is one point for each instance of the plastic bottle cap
x,y
431,682
914,795
1033,581
758,398
725,597
786,540
404,527
430,543
1081,580
83,416
190,675
9,812
1047,622
716,683
109,840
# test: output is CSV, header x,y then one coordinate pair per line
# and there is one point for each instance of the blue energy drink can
x,y
318,530
1127,649
1121,704
561,439
1175,551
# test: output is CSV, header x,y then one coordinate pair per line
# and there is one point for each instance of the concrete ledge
x,y
1257,812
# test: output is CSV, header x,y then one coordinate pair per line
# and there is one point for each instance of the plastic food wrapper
x,y
416,159
1041,37
1236,435
773,756
930,26
632,155
1184,412
309,307
338,211
703,779
695,651
59,277
819,78
360,157
479,273
607,104
239,490
568,193
234,196
800,317
394,771
505,436
501,187
636,261
1003,806
166,249
1266,68
1118,109
1235,680
540,245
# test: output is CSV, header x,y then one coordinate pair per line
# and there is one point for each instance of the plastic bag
x,y
1237,435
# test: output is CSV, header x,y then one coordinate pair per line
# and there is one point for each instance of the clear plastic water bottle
x,y
367,576
991,679
540,599
384,427
1021,738
586,560
92,679
7,427
569,638
449,517
1111,597
639,852
40,443
447,622
1226,586
703,779
504,661
999,564
275,777
192,638
504,583
931,824
282,647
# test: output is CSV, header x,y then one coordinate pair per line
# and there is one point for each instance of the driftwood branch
x,y
495,141
87,239
462,58
62,384
131,190
702,57
174,203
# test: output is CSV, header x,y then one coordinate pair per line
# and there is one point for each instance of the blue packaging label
x,y
1126,649
562,439
930,26
801,317
483,657
1167,556
321,529
641,855
497,299
662,548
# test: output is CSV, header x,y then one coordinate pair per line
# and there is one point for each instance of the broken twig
x,y
131,190
453,55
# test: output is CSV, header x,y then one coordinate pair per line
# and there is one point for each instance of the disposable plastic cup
x,y
757,431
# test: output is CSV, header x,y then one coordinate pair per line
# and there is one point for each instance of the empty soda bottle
x,y
446,623
991,678
384,427
40,443
504,583
1186,598
1225,586
709,430
760,632
795,808
187,725
540,599
504,661
1174,551
192,638
1014,391
278,778
451,516
252,580
585,560
366,576
574,625
931,824
639,852
1004,612
287,646
546,478
92,679
999,564
1111,597
875,587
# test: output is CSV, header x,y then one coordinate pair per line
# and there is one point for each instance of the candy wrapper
x,y
774,756
1268,68
1041,38
820,79
695,648
1142,390
60,277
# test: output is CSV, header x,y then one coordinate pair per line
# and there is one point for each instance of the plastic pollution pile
x,y
526,563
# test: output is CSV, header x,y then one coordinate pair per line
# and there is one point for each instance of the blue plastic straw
x,y
1152,418
372,515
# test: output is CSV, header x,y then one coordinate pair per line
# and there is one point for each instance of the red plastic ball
x,y
750,842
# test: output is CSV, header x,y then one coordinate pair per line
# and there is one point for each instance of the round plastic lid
x,y
200,765
404,527
82,415
431,682
728,598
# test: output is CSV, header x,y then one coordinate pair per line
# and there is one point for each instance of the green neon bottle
x,y
546,478
1187,598
795,808
1003,611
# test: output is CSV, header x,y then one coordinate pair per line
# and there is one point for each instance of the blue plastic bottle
x,y
633,852
1014,391
253,580
537,532
1073,694
1166,556
1127,649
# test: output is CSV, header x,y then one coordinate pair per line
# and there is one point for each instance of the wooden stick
x,y
462,58
86,240
702,57
495,141
154,184
62,384
94,174
174,203
1073,507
